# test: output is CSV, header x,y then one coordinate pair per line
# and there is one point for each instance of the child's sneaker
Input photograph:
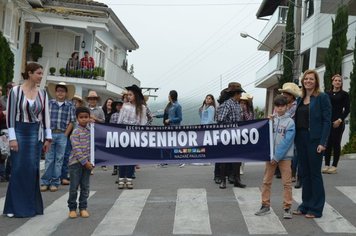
x,y
72,214
264,210
287,214
84,213
129,184
121,183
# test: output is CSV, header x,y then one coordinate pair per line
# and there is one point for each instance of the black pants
x,y
334,144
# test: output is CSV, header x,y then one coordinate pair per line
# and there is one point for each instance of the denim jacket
x,y
174,114
319,117
283,136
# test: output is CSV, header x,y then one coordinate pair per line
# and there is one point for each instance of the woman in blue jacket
x,y
173,111
313,123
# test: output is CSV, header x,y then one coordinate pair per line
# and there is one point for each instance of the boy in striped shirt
x,y
79,164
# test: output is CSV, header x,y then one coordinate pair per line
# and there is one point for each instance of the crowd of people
x,y
306,123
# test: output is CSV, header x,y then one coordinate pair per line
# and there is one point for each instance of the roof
x,y
268,7
79,2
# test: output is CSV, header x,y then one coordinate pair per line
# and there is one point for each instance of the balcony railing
x,y
279,17
273,65
116,75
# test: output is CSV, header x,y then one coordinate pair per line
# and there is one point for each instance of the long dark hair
x,y
212,98
174,97
30,67
104,107
139,101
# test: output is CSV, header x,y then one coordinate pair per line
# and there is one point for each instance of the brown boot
x,y
84,213
72,214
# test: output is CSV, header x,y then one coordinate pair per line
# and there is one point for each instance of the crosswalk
x,y
191,214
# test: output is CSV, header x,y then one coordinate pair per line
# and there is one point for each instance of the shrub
x,y
350,147
52,70
36,51
62,71
86,73
72,73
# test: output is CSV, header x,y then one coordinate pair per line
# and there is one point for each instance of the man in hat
x,y
62,113
229,112
96,113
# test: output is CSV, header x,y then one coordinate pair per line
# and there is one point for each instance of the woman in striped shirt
x,y
29,131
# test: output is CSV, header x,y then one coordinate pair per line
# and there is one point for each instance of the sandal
x,y
310,216
297,212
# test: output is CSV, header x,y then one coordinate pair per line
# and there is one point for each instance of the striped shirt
x,y
80,140
19,109
61,115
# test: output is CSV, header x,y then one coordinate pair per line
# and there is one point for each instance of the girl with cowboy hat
x,y
132,113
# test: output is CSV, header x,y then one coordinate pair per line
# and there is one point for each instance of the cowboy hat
x,y
246,97
234,87
291,88
53,86
92,94
136,89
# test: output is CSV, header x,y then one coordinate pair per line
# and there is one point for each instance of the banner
x,y
130,145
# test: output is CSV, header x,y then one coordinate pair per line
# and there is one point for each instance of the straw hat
x,y
77,97
246,97
234,87
291,88
92,94
52,89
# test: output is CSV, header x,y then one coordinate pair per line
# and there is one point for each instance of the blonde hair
x,y
316,91
332,79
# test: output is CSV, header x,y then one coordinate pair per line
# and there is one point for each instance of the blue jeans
x,y
54,160
64,174
313,193
126,171
79,176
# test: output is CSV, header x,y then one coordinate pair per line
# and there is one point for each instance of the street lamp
x,y
245,35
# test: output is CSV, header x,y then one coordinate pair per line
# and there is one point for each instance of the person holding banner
x,y
229,112
313,122
134,112
283,136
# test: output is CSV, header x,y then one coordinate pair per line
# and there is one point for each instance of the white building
x,y
62,27
316,30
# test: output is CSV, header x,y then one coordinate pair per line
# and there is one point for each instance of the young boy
x,y
79,164
283,137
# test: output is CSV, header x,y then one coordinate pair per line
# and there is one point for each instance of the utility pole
x,y
298,33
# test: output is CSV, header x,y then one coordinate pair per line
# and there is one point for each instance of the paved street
x,y
186,201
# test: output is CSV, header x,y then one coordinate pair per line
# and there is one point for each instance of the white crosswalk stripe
x,y
192,214
348,191
47,223
190,211
332,221
124,214
249,200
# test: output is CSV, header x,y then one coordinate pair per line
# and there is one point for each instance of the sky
x,y
193,46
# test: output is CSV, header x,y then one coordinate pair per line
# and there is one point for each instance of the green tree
x,y
288,51
350,147
337,47
6,61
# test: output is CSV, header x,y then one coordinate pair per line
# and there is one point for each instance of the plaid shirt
x,y
229,112
80,140
87,63
62,115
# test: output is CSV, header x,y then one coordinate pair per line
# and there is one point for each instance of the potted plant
x,y
62,71
71,72
95,74
52,70
36,51
78,73
86,73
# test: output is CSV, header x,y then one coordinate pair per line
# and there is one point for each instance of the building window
x,y
308,9
99,53
77,43
37,38
7,22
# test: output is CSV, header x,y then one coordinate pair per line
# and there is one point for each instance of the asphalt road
x,y
186,201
